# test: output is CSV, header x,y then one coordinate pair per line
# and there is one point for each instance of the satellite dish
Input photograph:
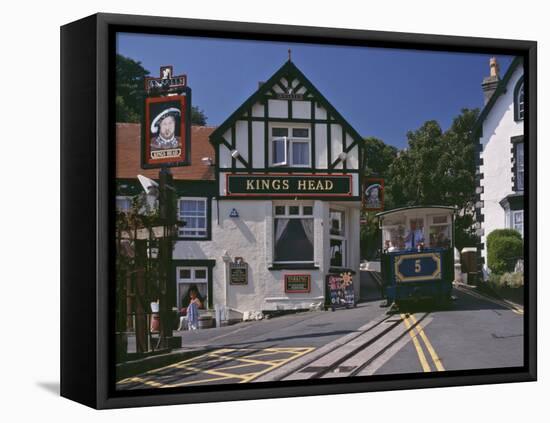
x,y
149,186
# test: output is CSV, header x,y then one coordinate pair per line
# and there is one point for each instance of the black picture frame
x,y
87,195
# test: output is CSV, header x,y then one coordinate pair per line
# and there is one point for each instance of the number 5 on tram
x,y
417,260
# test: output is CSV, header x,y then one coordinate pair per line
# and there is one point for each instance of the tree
x,y
198,117
438,168
376,158
130,93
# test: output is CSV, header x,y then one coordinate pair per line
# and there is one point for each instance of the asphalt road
x,y
474,332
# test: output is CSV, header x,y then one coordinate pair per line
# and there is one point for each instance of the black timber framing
x,y
289,72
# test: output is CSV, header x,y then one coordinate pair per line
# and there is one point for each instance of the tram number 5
x,y
417,267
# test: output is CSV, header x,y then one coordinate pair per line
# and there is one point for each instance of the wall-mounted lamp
x,y
235,153
342,156
207,161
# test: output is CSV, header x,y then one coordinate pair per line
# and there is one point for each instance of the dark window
x,y
279,210
520,167
336,252
519,101
294,210
308,210
200,274
279,132
293,240
300,132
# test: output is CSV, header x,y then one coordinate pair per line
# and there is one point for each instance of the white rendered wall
x,y
498,128
251,236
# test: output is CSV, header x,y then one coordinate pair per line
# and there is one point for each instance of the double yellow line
x,y
415,331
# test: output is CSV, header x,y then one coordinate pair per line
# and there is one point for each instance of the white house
x,y
500,165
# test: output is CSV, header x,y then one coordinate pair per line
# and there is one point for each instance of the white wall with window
x,y
502,167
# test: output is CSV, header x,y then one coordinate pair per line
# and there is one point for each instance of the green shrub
x,y
512,280
504,248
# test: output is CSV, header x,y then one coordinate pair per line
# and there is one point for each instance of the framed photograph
x,y
331,211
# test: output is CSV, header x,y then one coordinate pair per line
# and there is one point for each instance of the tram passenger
x,y
415,236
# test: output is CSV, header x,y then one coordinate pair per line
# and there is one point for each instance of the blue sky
x,y
380,92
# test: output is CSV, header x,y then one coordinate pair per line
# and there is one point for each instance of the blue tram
x,y
417,260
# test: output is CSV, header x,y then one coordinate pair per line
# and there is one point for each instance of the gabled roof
x,y
289,71
501,89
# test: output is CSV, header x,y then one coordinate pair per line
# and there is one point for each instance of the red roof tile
x,y
128,154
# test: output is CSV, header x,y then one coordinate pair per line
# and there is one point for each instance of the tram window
x,y
440,236
393,237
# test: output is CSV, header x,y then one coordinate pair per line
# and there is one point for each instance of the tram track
x,y
332,359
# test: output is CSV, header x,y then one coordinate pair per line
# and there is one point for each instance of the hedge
x,y
504,248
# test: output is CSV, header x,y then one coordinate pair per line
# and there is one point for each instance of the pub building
x,y
271,200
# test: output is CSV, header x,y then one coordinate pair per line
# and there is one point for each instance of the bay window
x,y
293,234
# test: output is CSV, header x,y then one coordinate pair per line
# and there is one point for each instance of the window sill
x,y
295,266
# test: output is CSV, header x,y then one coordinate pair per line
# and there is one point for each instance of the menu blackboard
x,y
340,289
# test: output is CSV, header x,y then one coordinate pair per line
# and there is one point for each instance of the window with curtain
x,y
192,211
293,233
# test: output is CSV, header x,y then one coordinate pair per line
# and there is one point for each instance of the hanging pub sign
x,y
166,127
373,194
238,272
295,284
340,290
290,185
166,83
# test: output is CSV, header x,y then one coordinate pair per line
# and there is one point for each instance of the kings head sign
x,y
166,127
291,185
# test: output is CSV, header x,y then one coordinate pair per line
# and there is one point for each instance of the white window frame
x,y
448,223
126,198
288,143
181,230
520,103
192,280
340,237
287,215
513,214
518,170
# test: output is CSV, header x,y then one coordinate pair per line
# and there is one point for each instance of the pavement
x,y
476,332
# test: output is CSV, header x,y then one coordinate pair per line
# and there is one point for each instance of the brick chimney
x,y
490,82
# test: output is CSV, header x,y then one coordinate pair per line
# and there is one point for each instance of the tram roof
x,y
417,208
